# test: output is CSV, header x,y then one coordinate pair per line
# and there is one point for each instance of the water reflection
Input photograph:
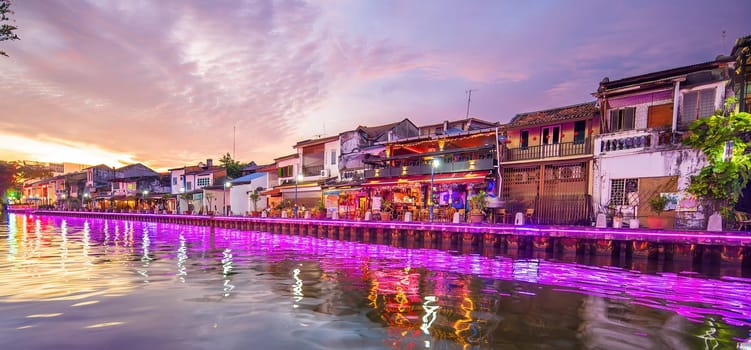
x,y
383,296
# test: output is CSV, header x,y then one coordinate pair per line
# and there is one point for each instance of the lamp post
x,y
224,197
298,178
86,200
62,196
434,164
145,193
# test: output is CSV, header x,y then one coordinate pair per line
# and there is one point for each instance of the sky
x,y
171,83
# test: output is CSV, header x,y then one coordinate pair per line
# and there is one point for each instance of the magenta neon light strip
x,y
684,237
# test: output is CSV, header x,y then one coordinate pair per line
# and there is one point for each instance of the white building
x,y
639,155
241,190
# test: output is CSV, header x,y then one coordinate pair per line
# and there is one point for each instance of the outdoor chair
x,y
742,221
529,215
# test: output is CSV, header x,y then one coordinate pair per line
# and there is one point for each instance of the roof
x,y
248,178
250,166
316,141
578,111
289,156
606,84
374,132
469,120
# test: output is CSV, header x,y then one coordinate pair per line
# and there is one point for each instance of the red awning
x,y
463,178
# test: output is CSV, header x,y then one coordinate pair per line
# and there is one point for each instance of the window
x,y
524,139
551,135
580,131
622,119
203,181
620,189
696,105
131,186
285,171
333,157
174,181
115,185
188,186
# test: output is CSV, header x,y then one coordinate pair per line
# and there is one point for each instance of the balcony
x,y
566,149
418,168
313,170
636,140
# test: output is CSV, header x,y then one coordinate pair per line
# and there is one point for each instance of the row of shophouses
x,y
562,165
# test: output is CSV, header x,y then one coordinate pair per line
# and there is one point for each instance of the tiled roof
x,y
579,111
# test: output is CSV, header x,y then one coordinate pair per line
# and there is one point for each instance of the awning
x,y
464,178
274,192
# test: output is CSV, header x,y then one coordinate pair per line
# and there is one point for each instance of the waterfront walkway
x,y
728,246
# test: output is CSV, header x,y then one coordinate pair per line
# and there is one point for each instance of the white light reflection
x,y
226,270
63,244
431,313
297,287
145,258
182,256
86,243
12,243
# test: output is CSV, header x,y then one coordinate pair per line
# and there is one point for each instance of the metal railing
x,y
565,149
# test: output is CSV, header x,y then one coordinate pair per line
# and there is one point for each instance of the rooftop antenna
x,y
724,36
234,127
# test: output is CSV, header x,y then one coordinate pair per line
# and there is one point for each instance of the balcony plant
x,y
478,203
657,203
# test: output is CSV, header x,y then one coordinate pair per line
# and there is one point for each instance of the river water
x,y
70,283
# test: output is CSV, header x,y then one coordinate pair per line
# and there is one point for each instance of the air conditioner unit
x,y
325,173
570,172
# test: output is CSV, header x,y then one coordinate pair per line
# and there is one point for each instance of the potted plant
x,y
478,203
657,203
255,196
319,211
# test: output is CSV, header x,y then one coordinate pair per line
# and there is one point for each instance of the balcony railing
x,y
313,170
566,149
425,169
637,140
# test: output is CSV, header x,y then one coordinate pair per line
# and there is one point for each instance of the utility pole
x,y
234,127
469,100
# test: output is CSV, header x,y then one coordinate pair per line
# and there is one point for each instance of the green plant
x,y
478,202
255,197
725,140
658,203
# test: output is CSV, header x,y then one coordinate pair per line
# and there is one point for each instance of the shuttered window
x,y
622,119
697,104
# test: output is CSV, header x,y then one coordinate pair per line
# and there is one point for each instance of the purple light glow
x,y
683,237
691,297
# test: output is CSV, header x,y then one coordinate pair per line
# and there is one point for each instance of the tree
x,y
234,168
7,178
31,171
6,30
725,139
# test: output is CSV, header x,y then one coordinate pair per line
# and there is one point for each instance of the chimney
x,y
209,163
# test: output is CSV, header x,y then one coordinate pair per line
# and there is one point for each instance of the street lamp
x,y
298,178
86,200
145,193
224,196
434,164
62,196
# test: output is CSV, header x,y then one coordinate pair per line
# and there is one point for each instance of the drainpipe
x,y
676,95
